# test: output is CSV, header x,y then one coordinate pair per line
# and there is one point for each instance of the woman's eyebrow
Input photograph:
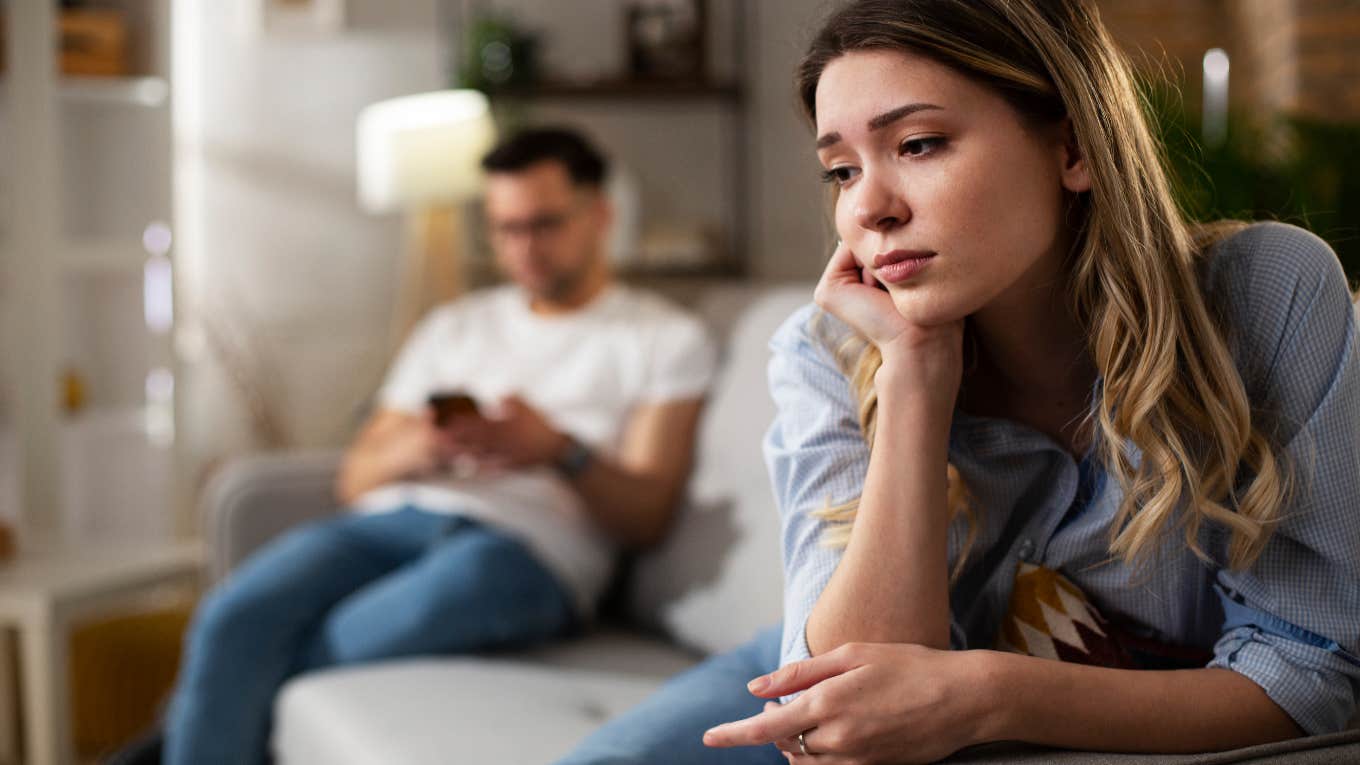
x,y
879,122
887,118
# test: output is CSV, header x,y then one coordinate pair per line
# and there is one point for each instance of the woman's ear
x,y
1075,177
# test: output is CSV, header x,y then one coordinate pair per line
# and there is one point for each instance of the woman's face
x,y
943,177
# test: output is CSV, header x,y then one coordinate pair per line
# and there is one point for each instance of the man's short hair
x,y
585,165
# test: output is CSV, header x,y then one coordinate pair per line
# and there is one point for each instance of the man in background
x,y
564,433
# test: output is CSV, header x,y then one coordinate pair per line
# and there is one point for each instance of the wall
x,y
792,222
1294,56
1328,65
279,270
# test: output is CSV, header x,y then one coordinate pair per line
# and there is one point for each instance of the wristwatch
x,y
573,460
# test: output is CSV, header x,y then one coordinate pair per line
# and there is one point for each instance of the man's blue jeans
x,y
669,726
351,589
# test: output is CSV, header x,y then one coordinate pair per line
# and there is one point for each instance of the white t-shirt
x,y
585,371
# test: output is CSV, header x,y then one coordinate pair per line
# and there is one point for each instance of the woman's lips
x,y
900,265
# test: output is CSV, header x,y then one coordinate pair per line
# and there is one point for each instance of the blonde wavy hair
x,y
1170,386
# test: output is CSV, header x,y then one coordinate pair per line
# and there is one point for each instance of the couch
x,y
714,582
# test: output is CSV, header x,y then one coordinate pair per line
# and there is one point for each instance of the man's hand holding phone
x,y
450,405
514,435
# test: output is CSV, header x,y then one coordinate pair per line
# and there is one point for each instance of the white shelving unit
x,y
103,256
147,92
86,162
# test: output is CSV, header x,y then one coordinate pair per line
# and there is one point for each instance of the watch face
x,y
575,459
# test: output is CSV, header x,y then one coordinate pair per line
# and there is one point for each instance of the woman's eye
x,y
838,175
919,147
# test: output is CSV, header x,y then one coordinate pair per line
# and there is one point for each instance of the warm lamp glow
x,y
425,149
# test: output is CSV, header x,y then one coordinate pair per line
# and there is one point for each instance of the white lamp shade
x,y
423,149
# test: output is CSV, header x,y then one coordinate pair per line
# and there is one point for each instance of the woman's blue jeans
x,y
355,588
669,726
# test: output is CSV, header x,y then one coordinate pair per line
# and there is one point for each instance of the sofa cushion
x,y
717,579
468,709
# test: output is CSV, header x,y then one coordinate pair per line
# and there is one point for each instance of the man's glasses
x,y
538,227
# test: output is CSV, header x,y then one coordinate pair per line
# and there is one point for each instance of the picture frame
x,y
666,39
294,17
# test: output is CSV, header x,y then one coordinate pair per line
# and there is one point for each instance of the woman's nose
x,y
879,204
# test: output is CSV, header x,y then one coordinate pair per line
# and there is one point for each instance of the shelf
x,y
117,474
107,422
149,426
129,91
620,90
147,92
104,258
101,470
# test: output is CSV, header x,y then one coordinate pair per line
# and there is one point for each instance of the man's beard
x,y
563,285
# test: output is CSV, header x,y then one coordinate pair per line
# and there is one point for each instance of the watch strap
x,y
575,459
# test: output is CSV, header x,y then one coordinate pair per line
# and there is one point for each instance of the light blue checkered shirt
x,y
1291,623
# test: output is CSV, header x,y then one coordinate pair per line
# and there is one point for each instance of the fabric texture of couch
x,y
714,582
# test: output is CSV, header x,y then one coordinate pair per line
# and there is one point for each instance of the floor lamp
x,y
422,154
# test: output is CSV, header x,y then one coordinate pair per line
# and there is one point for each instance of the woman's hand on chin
x,y
850,293
915,358
872,703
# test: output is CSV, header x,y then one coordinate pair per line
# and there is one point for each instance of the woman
x,y
1034,410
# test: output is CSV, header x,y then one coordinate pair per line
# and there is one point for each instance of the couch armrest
x,y
252,499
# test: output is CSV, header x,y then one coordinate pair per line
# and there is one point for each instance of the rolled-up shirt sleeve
x,y
816,456
1292,621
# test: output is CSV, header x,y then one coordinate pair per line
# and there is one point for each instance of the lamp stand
x,y
432,266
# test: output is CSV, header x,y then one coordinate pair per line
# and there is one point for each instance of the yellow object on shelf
x,y
72,391
8,545
93,42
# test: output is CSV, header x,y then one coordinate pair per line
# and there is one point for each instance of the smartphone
x,y
450,404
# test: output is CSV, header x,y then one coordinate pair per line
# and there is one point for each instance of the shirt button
x,y
1026,549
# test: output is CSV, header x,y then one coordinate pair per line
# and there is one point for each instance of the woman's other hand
x,y
868,703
